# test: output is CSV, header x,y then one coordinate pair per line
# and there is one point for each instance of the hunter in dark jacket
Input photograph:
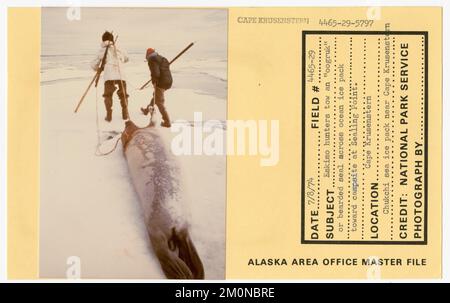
x,y
161,80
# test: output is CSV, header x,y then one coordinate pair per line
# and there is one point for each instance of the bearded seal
x,y
156,179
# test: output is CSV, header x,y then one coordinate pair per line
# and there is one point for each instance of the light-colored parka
x,y
113,62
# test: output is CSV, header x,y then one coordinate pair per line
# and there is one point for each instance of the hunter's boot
x,y
148,108
108,106
125,115
164,114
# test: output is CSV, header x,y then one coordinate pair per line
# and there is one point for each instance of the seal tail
x,y
172,265
188,253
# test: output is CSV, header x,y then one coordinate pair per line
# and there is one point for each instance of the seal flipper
x,y
188,253
128,132
172,266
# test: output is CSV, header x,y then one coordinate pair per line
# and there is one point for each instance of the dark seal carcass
x,y
156,178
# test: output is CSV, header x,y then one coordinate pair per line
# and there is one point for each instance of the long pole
x,y
176,57
182,52
120,74
95,79
85,93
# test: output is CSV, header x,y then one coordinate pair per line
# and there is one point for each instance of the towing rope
x,y
152,107
125,92
98,152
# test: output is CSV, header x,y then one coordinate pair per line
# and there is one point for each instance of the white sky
x,y
166,30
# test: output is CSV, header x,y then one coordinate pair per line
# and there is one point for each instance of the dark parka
x,y
159,68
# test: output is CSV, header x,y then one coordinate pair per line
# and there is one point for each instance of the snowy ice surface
x,y
88,206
